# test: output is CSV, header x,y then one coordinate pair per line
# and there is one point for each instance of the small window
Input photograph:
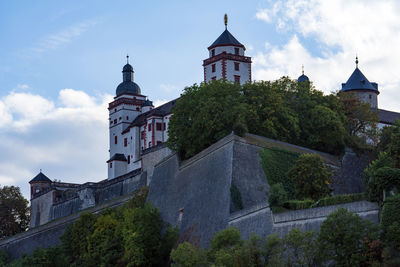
x,y
213,52
127,118
236,66
149,128
163,126
236,51
125,141
142,135
120,118
158,126
115,139
129,159
115,121
213,67
115,110
159,142
237,78
37,190
137,108
110,165
213,78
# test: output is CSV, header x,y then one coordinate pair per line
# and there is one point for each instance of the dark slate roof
x,y
147,103
118,156
40,178
302,78
226,38
388,117
158,111
128,87
358,81
127,68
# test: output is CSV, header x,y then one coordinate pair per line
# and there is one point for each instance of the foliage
x,y
391,211
131,235
53,256
310,177
186,255
372,187
325,130
361,121
207,112
204,114
14,211
236,197
277,195
301,248
392,235
387,178
342,236
339,199
3,258
298,204
276,163
394,146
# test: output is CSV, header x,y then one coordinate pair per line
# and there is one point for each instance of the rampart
x,y
195,195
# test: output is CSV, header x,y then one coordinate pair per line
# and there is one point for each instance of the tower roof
x,y
226,38
128,86
358,81
302,77
40,178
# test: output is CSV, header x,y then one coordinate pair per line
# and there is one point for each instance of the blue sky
x,y
60,62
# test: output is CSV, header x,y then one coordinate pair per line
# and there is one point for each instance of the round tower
x,y
363,89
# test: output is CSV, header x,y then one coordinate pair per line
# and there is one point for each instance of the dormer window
x,y
236,51
213,53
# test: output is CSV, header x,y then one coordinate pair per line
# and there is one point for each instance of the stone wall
x,y
152,156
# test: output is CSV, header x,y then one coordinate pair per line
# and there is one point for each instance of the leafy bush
x,y
341,238
298,204
277,195
3,258
186,255
388,178
391,211
373,187
276,163
310,177
339,199
236,197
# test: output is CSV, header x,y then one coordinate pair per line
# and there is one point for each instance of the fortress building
x,y
194,194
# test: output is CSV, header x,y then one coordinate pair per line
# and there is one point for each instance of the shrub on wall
x,y
391,211
277,195
276,163
298,204
339,199
310,177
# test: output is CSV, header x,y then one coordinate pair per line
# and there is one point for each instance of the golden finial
x,y
226,21
302,69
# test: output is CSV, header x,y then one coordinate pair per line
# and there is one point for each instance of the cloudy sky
x,y
60,62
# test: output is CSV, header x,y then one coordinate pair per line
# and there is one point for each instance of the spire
x,y
356,61
302,69
127,59
226,21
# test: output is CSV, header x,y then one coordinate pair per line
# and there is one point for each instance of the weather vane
x,y
356,61
127,59
226,21
302,69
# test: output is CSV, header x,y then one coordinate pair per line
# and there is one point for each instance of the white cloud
x,y
56,40
67,138
169,88
160,102
340,29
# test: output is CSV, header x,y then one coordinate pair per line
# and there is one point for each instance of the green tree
x,y
204,114
310,176
341,238
277,195
14,211
394,146
324,130
187,255
75,238
301,248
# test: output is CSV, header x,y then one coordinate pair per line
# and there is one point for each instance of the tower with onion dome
x,y
227,60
